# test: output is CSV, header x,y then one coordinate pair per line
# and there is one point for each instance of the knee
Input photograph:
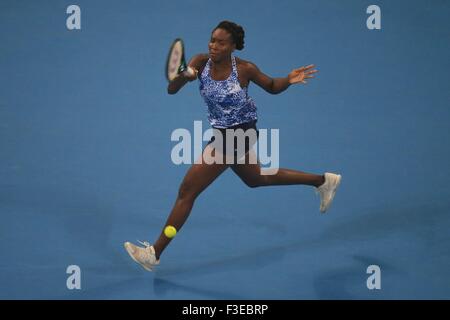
x,y
252,184
255,183
186,191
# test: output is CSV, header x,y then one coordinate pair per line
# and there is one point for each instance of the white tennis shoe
x,y
145,256
327,190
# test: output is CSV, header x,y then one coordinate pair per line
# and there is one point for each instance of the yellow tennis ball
x,y
170,231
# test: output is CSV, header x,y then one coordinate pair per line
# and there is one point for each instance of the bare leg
x,y
251,175
198,177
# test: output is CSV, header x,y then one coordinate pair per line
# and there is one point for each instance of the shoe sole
x,y
126,244
338,182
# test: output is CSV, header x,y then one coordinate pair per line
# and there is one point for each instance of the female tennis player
x,y
224,80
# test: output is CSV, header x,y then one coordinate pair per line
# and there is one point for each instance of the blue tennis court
x,y
85,152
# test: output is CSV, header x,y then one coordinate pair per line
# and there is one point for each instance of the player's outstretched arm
x,y
278,85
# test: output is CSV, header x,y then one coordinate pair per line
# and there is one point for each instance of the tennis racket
x,y
176,62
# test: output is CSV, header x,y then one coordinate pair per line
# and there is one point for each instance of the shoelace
x,y
317,191
144,243
320,188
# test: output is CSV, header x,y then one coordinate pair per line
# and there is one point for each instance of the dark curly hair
x,y
236,31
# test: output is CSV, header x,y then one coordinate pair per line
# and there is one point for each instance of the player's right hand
x,y
190,76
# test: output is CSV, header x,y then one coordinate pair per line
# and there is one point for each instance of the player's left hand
x,y
301,74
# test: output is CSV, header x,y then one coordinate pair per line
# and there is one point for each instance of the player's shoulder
x,y
201,56
200,59
246,65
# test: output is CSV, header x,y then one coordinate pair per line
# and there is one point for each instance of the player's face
x,y
220,45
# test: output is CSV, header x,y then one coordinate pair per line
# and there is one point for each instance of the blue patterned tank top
x,y
228,103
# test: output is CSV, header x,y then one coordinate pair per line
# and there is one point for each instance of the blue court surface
x,y
85,152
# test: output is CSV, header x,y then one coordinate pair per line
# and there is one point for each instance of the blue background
x,y
85,125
